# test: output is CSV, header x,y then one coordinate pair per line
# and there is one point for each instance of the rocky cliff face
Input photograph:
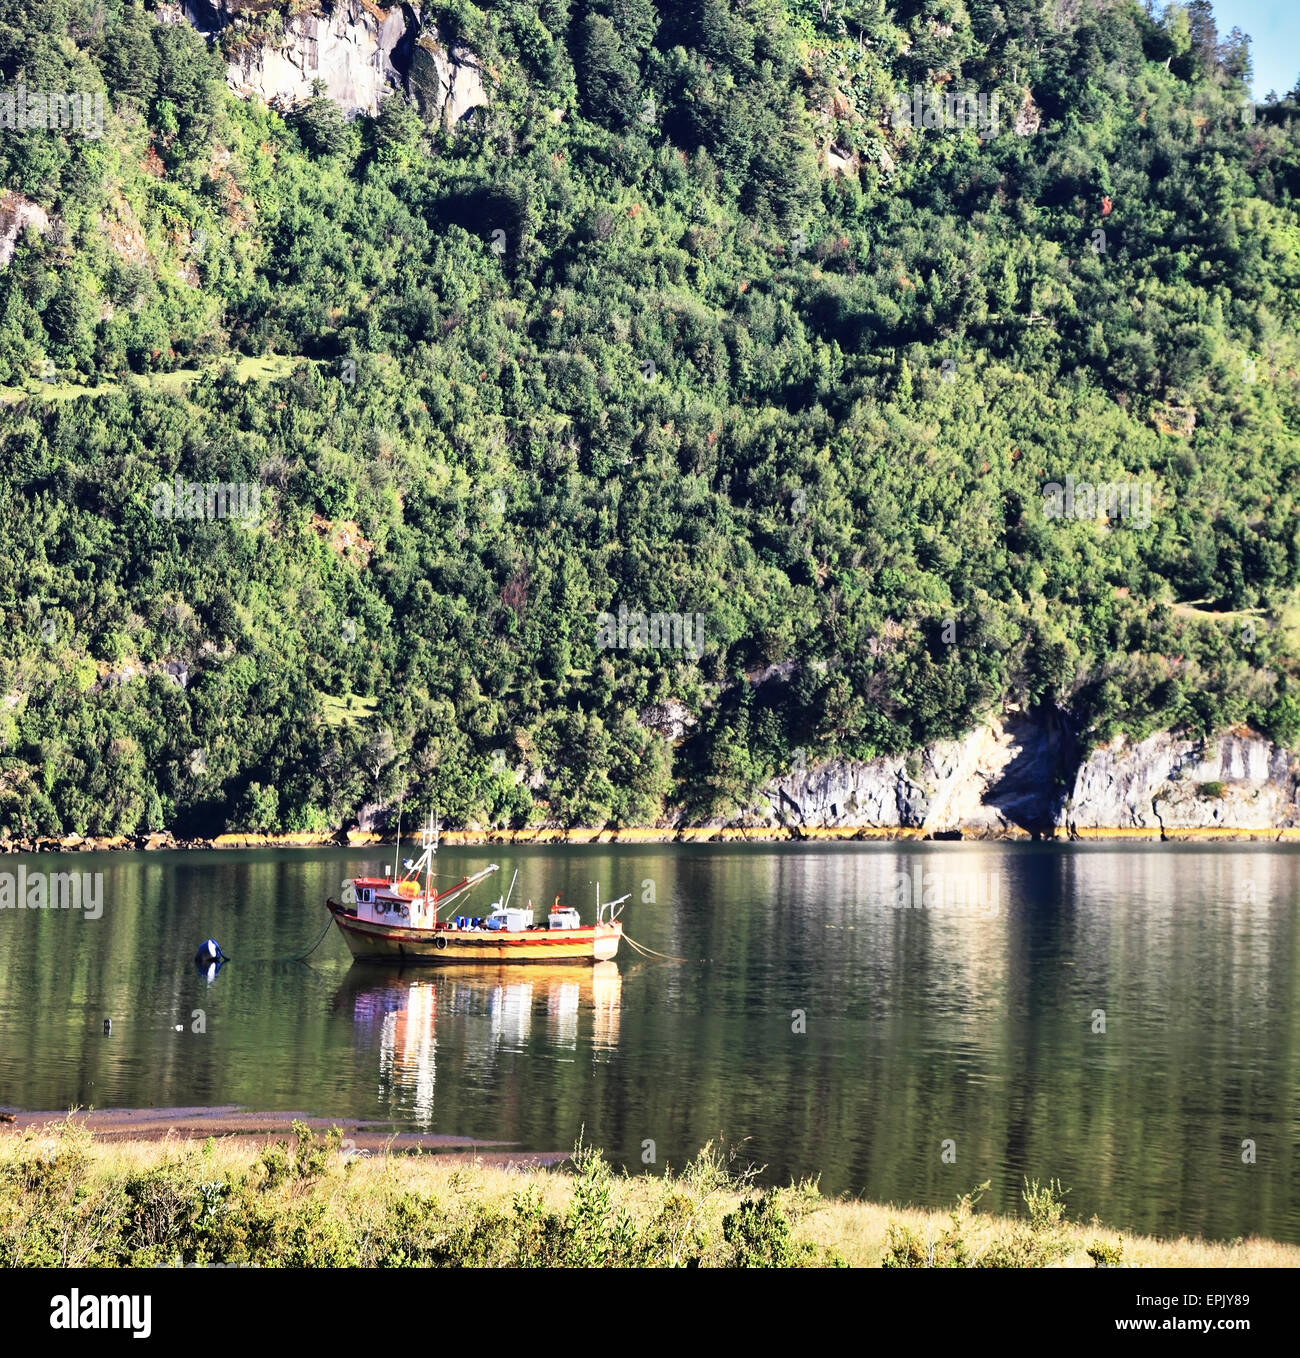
x,y
1238,781
17,213
360,50
1020,774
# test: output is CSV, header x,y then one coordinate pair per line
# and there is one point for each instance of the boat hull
x,y
444,946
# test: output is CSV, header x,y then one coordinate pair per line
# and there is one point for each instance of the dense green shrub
x,y
1105,1255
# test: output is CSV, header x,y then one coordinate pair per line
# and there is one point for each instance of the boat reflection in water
x,y
482,1014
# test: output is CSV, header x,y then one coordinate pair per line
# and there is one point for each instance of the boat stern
x,y
605,944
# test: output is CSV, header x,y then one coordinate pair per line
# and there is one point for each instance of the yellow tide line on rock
x,y
689,834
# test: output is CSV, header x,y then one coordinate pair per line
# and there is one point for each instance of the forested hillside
x,y
684,320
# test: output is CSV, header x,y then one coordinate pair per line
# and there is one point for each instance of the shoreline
x,y
250,1129
692,834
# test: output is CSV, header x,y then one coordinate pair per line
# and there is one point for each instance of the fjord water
x,y
818,1025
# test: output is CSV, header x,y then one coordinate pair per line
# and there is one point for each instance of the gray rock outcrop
x,y
17,213
1021,774
1236,781
359,51
1005,777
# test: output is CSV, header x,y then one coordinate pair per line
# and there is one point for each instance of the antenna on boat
x,y
430,848
397,848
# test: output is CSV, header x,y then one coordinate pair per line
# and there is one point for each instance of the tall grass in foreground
x,y
66,1200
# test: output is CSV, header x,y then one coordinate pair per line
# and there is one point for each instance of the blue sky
x,y
1274,26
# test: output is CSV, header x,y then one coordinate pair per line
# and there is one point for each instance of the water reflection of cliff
x,y
485,1011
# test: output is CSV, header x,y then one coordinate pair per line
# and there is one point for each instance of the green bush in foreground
x,y
1105,1255
307,1205
906,1249
1037,1242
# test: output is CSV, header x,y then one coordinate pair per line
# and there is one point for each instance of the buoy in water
x,y
108,1027
209,955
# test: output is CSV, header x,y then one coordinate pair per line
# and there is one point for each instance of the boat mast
x,y
397,848
430,848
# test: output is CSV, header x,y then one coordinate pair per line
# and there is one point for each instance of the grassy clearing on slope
x,y
348,710
267,368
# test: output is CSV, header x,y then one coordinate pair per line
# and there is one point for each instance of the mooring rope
x,y
650,952
292,957
320,937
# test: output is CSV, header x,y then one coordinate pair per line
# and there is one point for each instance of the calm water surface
x,y
815,1024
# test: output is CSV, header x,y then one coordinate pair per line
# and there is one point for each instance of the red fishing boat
x,y
391,919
